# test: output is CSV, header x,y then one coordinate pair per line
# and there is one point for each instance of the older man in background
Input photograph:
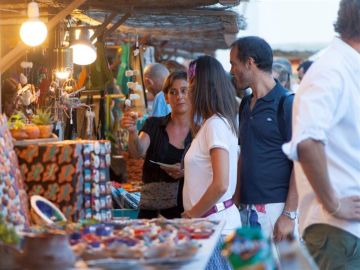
x,y
154,78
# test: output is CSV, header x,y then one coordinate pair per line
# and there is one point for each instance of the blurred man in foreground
x,y
326,144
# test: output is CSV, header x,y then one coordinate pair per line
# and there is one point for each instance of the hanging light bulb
x,y
63,62
84,53
33,32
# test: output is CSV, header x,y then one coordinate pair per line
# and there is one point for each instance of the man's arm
x,y
312,157
292,197
284,225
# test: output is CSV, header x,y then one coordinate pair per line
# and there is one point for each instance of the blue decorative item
x,y
45,211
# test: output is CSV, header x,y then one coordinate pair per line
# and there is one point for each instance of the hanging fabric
x,y
101,124
121,79
82,78
88,124
101,75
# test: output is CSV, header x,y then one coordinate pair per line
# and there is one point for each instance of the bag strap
x,y
280,114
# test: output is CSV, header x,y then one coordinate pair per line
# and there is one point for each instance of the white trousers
x,y
267,221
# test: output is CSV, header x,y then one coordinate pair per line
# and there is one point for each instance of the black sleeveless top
x,y
160,150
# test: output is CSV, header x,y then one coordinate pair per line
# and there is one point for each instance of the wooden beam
x,y
15,54
102,28
116,25
18,21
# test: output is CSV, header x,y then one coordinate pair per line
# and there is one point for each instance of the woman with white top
x,y
211,161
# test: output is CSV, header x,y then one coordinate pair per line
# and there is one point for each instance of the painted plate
x,y
46,210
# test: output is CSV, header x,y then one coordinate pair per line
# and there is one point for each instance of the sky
x,y
288,24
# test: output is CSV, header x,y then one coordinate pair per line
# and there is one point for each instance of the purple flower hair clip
x,y
192,70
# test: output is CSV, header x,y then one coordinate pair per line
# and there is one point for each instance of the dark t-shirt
x,y
155,127
265,170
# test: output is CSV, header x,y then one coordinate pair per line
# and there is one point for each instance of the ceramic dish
x,y
45,210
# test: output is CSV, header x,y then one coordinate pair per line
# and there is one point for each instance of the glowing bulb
x,y
83,54
63,74
33,32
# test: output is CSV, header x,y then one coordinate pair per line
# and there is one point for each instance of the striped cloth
x,y
125,200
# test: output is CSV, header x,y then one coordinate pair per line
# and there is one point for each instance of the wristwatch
x,y
290,214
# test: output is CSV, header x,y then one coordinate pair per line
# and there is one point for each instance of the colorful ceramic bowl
x,y
45,211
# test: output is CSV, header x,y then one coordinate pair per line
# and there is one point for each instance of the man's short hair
x,y
348,20
256,48
156,70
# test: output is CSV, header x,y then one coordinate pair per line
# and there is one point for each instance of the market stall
x,y
64,164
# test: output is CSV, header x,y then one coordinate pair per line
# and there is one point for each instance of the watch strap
x,y
290,214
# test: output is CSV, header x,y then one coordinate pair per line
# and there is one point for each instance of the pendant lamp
x,y
84,53
33,32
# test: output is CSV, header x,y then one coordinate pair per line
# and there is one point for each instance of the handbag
x,y
159,195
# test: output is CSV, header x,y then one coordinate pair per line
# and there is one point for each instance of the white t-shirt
x,y
214,133
327,108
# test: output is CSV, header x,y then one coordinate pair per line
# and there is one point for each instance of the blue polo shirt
x,y
265,170
160,106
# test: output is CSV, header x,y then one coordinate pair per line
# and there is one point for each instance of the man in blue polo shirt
x,y
266,189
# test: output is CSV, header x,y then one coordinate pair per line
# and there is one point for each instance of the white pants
x,y
267,221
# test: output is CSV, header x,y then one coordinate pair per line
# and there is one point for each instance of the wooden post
x,y
16,53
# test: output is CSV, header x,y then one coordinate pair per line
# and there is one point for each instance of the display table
x,y
199,261
202,257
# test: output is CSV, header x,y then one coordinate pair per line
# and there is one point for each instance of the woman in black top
x,y
162,139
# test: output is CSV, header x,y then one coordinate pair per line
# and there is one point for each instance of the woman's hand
x,y
186,214
128,121
175,173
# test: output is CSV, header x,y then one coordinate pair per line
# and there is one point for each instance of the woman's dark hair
x,y
256,48
348,20
211,92
176,75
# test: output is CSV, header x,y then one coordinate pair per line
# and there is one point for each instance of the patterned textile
x,y
54,171
13,198
74,175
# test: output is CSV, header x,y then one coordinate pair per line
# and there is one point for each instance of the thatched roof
x,y
191,30
122,4
191,25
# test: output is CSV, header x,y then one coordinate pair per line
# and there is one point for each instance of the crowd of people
x,y
277,161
